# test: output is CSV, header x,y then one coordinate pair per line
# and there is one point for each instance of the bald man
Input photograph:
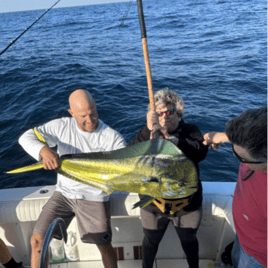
x,y
84,132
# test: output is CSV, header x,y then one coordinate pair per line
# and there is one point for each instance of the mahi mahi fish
x,y
156,168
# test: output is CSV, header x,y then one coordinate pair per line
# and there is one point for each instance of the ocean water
x,y
212,53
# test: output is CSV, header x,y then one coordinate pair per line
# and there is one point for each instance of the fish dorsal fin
x,y
39,136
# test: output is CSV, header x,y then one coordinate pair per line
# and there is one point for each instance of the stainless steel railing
x,y
50,232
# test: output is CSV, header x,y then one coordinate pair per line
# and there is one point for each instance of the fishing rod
x,y
146,55
146,60
12,42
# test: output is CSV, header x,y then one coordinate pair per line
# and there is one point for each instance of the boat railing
x,y
59,222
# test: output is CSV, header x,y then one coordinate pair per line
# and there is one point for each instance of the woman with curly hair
x,y
168,120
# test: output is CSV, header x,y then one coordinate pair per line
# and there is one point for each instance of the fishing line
x,y
126,13
12,42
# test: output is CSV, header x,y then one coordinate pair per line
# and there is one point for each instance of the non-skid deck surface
x,y
164,263
167,263
98,264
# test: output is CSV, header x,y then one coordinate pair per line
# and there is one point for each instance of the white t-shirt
x,y
69,139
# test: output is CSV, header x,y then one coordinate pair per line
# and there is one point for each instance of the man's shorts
x,y
93,218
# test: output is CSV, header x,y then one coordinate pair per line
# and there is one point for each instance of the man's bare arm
x,y
213,139
50,158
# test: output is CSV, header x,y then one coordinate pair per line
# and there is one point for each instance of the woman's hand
x,y
214,139
152,120
154,126
164,134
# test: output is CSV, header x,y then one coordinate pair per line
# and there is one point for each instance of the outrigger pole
x,y
13,41
146,60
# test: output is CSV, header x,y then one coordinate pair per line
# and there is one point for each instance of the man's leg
x,y
5,255
241,259
36,244
235,253
6,258
57,206
94,225
108,254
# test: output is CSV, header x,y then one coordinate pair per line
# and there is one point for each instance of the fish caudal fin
x,y
144,202
35,166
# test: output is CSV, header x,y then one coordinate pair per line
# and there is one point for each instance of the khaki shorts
x,y
93,218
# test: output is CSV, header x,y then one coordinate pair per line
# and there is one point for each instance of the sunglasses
x,y
168,112
242,160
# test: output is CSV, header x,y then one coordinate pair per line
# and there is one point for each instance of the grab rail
x,y
48,236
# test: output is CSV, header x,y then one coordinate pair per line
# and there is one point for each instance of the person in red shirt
x,y
248,135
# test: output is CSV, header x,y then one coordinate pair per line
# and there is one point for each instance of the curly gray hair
x,y
168,96
249,130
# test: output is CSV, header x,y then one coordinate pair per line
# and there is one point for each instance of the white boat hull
x,y
20,208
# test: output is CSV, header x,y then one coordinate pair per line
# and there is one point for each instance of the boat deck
x,y
160,263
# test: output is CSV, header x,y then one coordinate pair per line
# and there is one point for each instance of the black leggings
x,y
152,239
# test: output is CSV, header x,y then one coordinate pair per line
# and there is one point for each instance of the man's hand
x,y
50,158
214,139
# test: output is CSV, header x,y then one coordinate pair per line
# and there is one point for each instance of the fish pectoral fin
x,y
144,202
35,166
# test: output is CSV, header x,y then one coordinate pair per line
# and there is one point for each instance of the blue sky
x,y
20,5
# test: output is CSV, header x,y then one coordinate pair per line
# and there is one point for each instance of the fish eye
x,y
153,179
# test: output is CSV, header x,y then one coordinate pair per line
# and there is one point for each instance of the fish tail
x,y
35,166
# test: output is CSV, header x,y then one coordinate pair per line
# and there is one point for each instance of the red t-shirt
x,y
250,213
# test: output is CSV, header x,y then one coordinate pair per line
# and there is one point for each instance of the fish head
x,y
151,186
167,176
179,179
